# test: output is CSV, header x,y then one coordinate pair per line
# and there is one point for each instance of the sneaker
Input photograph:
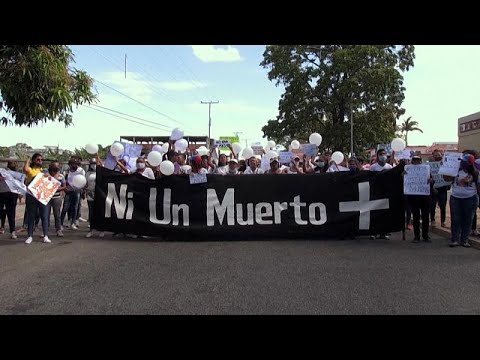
x,y
46,240
14,235
66,226
74,227
60,233
409,227
101,234
77,223
384,237
416,240
453,244
466,244
82,220
41,236
475,232
2,231
89,234
372,237
29,240
427,239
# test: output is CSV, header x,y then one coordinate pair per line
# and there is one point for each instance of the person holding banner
x,y
31,170
141,169
253,167
90,192
420,204
463,200
381,163
8,201
274,167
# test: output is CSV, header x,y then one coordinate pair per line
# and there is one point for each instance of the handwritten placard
x,y
415,181
221,143
257,149
198,179
14,182
450,164
404,154
386,147
439,181
310,149
43,187
285,157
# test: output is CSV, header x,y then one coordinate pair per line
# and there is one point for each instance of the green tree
x,y
56,154
37,84
326,84
407,126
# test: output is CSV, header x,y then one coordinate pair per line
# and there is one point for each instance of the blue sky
x,y
173,80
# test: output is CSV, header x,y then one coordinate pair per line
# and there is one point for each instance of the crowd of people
x,y
420,209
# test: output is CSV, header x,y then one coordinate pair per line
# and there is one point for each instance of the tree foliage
x,y
38,84
326,84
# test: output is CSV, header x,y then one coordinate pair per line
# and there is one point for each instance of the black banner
x,y
319,205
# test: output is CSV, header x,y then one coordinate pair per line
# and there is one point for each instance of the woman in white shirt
x,y
463,200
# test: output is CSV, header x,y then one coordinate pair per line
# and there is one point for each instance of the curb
x,y
475,243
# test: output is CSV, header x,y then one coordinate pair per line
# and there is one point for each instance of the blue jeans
x,y
32,206
461,213
70,204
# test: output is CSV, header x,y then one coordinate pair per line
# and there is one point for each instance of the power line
x,y
149,84
139,102
121,117
134,117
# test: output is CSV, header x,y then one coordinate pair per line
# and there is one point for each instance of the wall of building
x,y
469,132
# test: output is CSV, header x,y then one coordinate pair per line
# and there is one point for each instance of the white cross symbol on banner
x,y
364,205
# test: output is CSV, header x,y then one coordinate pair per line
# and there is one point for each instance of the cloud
x,y
210,53
181,85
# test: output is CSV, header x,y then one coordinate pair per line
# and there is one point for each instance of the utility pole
x,y
236,134
209,117
351,131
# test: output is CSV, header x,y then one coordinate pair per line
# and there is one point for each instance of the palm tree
x,y
409,125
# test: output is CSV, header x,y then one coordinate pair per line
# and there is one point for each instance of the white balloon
x,y
271,154
271,144
79,181
154,158
157,148
92,177
116,149
92,149
181,145
398,144
202,150
177,134
236,148
338,157
167,168
267,148
165,148
295,145
315,138
247,152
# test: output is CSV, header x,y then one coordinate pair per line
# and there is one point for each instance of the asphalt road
x,y
75,275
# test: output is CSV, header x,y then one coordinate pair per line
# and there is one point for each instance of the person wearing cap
x,y
294,167
196,163
253,167
463,200
420,206
274,167
233,167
